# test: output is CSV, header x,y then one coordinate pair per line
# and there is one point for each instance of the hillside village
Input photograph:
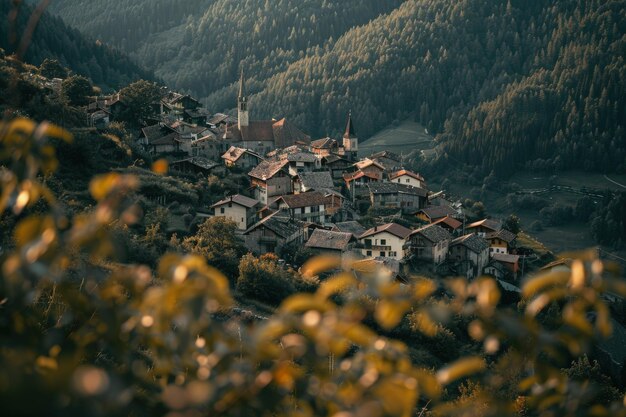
x,y
319,194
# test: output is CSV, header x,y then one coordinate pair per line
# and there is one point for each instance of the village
x,y
320,196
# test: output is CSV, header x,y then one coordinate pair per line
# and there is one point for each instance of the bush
x,y
264,280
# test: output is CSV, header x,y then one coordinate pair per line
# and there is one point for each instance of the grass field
x,y
408,136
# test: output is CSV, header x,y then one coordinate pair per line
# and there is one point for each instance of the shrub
x,y
264,280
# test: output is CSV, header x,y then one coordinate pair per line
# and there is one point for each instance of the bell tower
x,y
242,103
350,140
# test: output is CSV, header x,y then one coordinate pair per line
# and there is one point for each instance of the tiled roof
x,y
393,228
395,188
364,163
437,212
433,233
234,153
502,234
358,174
301,157
325,143
284,227
316,180
386,154
450,222
239,199
310,199
155,132
350,227
505,258
494,225
330,159
407,173
267,169
325,239
286,134
167,139
473,242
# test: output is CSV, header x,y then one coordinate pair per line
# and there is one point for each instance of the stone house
x,y
241,158
272,233
326,242
270,178
430,243
308,207
501,241
399,196
470,253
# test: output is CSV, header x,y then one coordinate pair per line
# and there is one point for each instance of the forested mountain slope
x,y
52,38
198,45
504,83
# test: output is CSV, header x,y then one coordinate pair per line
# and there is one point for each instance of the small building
x,y
270,178
407,178
501,241
430,243
389,160
238,208
300,162
241,158
272,233
371,168
432,214
312,181
336,165
324,147
484,227
385,241
358,180
309,207
400,196
470,253
326,242
510,262
195,165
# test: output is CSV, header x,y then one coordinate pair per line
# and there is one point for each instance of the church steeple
x,y
350,140
242,103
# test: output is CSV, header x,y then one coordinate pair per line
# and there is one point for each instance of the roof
x,y
234,153
494,225
505,258
563,261
155,132
364,163
393,228
386,154
166,140
331,159
358,174
283,226
239,199
472,242
502,234
267,169
437,212
350,227
286,134
301,157
395,188
197,161
407,173
281,132
349,132
433,233
325,239
451,222
325,143
316,180
312,198
219,118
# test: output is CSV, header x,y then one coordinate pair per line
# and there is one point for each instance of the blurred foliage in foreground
x,y
82,335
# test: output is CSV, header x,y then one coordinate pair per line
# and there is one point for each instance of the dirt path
x,y
614,182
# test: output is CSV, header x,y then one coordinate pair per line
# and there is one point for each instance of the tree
x,y
51,68
217,242
264,280
77,90
139,98
512,224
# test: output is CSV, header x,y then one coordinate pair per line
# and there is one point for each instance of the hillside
x,y
52,38
504,84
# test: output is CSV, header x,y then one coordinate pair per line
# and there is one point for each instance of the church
x,y
261,136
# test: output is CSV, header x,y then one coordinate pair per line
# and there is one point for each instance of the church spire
x,y
350,141
242,85
242,103
349,133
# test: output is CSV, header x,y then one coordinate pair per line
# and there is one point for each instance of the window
x,y
383,241
369,253
392,254
382,254
368,243
222,210
408,180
